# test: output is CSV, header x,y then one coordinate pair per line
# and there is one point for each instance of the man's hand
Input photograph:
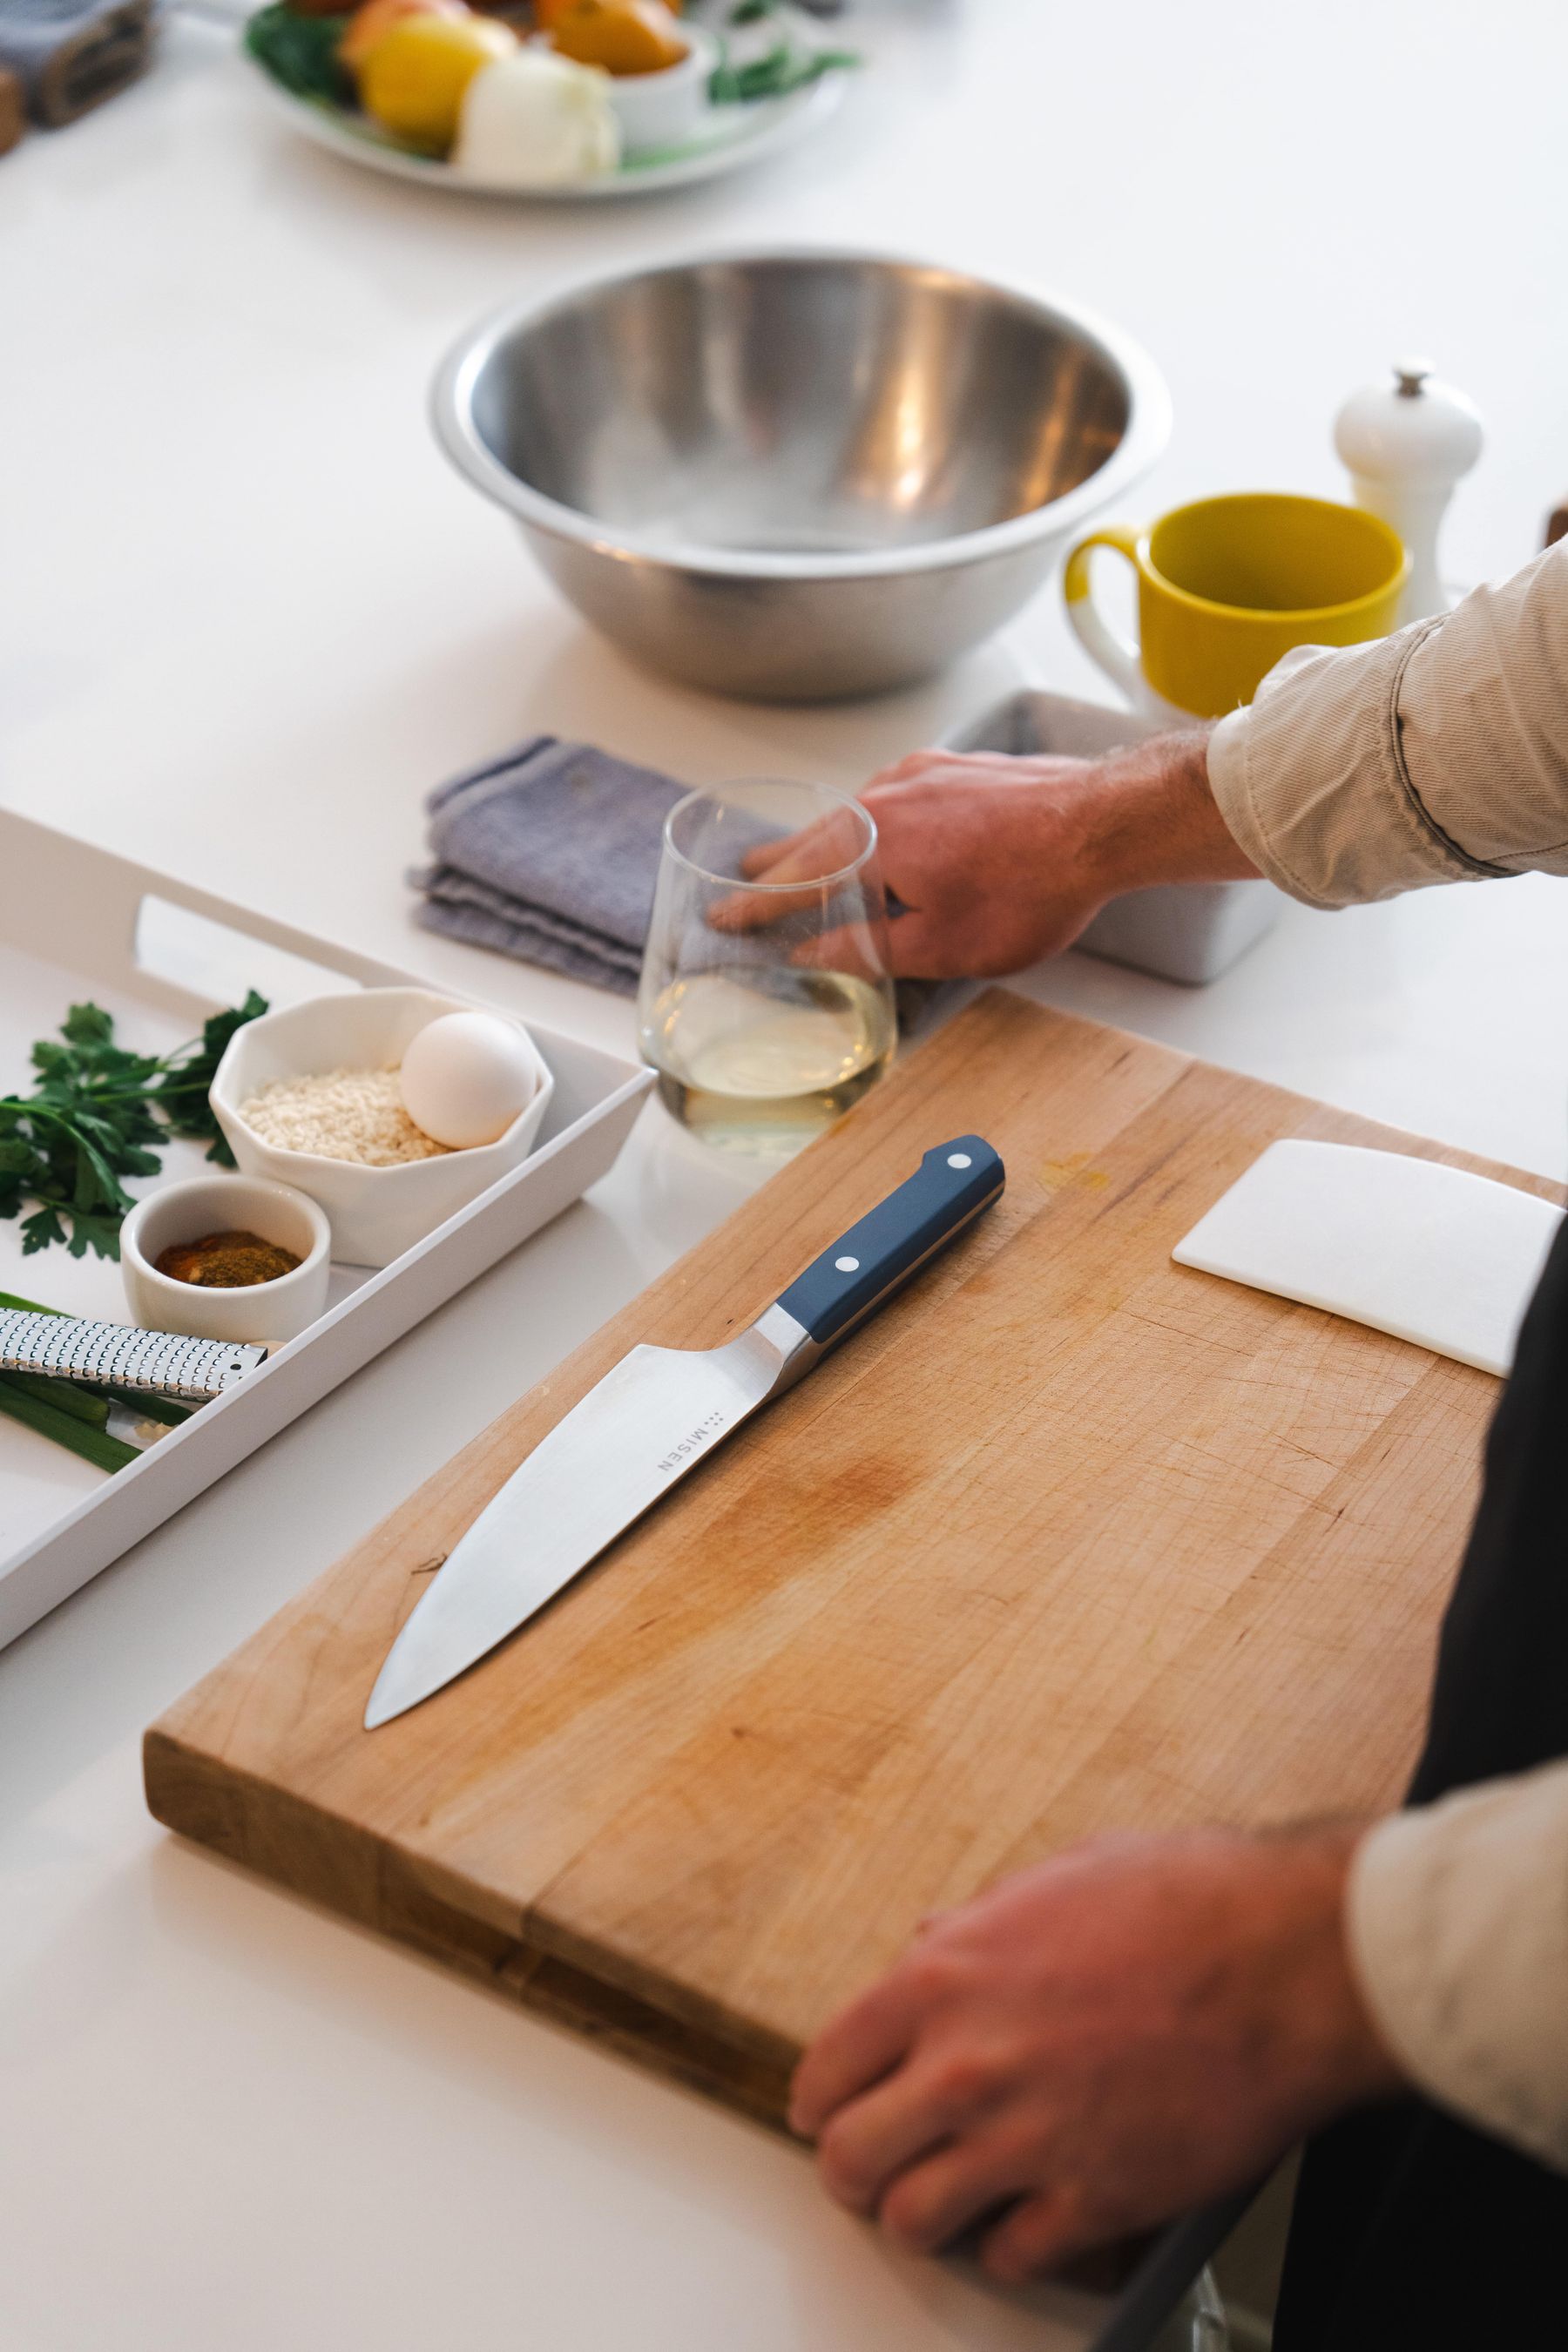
x,y
1000,861
1096,2045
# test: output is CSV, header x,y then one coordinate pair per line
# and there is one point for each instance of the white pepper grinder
x,y
1407,440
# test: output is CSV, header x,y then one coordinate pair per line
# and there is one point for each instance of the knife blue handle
x,y
866,1265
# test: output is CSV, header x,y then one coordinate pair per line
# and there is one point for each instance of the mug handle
x,y
1115,656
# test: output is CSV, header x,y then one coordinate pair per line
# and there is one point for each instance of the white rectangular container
x,y
78,922
1190,931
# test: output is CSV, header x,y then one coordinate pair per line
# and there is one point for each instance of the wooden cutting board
x,y
1068,1538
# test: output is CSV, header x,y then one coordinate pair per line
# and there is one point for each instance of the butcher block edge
x,y
332,1861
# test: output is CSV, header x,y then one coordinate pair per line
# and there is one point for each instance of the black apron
x,y
1412,2232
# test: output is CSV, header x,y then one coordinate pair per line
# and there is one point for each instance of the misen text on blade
x,y
693,1442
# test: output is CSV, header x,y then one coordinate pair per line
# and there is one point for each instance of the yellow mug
x,y
1227,585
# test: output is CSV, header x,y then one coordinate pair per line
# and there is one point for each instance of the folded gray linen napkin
x,y
548,853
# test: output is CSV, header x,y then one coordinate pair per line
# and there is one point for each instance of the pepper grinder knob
x,y
1407,441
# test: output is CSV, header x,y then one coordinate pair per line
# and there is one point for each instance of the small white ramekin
x,y
266,1312
376,1213
662,110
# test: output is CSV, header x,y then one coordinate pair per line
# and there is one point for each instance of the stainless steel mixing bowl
x,y
798,475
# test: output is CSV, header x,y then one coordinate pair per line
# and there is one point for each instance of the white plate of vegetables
x,y
559,98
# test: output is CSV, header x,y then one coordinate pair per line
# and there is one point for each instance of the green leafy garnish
x,y
91,1119
785,68
301,52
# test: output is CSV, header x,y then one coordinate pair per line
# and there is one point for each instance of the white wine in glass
x,y
768,1065
766,1006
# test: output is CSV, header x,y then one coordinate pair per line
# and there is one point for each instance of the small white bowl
x,y
662,110
266,1312
376,1213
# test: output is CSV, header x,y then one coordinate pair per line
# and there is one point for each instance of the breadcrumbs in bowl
x,y
354,1115
310,1096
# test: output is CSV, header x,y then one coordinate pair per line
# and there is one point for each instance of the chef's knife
x,y
657,1414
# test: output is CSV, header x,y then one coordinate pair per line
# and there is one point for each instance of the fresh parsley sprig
x,y
91,1119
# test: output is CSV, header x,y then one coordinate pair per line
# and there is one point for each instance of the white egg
x,y
466,1076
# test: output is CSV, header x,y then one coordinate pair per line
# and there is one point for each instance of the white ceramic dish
x,y
376,1213
725,139
265,1312
160,955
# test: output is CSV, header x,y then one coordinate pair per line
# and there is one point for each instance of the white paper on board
x,y
1428,1253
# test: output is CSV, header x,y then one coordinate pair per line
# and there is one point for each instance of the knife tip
x,y
381,1707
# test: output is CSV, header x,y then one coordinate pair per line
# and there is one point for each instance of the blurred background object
x,y
550,99
68,56
13,112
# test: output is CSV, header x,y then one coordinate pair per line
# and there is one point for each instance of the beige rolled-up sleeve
x,y
1458,1921
1439,754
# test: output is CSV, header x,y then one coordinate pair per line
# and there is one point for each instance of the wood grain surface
x,y
1068,1538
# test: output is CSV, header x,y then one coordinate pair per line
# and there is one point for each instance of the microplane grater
x,y
111,1355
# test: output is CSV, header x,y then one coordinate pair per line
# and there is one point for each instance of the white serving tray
x,y
76,922
1190,931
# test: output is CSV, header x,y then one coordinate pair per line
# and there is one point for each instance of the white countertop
x,y
247,617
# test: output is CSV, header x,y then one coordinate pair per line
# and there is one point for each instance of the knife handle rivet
x,y
959,1160
847,1264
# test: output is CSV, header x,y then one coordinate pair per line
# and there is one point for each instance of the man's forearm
x,y
1152,818
1438,754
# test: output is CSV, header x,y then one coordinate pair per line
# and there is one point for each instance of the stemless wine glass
x,y
766,1006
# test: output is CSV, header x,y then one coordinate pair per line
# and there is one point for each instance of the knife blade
x,y
652,1418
